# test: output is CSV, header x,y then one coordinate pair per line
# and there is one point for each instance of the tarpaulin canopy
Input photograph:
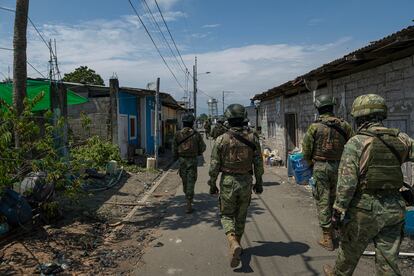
x,y
35,87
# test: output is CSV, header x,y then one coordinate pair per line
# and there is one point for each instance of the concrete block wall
x,y
394,81
97,111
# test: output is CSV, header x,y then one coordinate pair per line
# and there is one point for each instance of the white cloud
x,y
315,21
122,46
211,26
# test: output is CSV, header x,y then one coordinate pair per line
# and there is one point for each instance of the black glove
x,y
336,219
214,190
258,188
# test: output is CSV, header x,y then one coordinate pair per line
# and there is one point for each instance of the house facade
x,y
124,115
385,67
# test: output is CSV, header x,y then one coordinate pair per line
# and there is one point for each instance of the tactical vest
x,y
329,142
189,148
237,157
383,169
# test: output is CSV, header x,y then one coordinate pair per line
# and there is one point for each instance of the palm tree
x,y
20,58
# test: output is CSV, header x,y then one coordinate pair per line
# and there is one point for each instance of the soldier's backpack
x,y
187,143
330,139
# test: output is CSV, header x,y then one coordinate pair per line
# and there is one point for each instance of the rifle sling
x,y
242,139
337,128
390,147
186,138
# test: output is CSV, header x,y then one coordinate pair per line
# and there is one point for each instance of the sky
x,y
248,46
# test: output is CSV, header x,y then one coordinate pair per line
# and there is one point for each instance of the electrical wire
x,y
34,68
6,49
156,47
168,29
163,39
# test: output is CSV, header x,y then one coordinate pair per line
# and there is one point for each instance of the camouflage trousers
x,y
325,175
380,221
235,195
188,174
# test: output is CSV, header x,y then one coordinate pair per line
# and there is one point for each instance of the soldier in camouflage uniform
x,y
237,155
368,205
322,147
207,127
219,128
188,144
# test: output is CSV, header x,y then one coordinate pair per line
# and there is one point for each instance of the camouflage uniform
x,y
323,147
236,180
237,162
207,127
187,153
368,195
218,130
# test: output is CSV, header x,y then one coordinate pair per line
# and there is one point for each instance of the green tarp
x,y
33,89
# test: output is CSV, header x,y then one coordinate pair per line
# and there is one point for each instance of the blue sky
x,y
249,46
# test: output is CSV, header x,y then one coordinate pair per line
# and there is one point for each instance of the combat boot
x,y
189,209
328,270
326,239
235,250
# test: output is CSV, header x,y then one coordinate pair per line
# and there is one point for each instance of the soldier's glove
x,y
258,188
337,219
214,190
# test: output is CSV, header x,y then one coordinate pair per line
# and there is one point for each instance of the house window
x,y
132,127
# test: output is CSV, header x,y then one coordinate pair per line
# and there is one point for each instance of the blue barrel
x,y
301,169
15,208
409,222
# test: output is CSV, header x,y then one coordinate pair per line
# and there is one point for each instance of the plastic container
x,y
409,222
301,170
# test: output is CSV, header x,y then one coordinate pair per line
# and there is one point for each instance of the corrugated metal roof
x,y
399,42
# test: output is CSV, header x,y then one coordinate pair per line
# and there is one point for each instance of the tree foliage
x,y
203,117
84,75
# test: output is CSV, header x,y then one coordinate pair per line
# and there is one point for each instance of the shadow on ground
x,y
270,249
170,213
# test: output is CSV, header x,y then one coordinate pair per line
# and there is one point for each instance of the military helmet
x,y
235,111
221,119
188,118
369,104
324,100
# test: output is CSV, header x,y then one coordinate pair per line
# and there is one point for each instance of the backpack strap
x,y
242,139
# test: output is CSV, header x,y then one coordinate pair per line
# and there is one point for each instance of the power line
x,y
156,47
34,68
168,29
165,41
6,49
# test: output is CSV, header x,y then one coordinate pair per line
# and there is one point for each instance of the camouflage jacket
x,y
218,130
198,140
217,158
348,186
308,143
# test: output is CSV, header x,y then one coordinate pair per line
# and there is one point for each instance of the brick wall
x,y
97,109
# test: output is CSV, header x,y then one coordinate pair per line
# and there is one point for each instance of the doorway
x,y
290,132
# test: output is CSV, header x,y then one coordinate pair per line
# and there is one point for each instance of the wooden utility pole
x,y
20,58
195,88
156,122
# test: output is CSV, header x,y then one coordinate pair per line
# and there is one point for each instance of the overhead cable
x,y
156,47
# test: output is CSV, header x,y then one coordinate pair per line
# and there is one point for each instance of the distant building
x,y
384,67
125,116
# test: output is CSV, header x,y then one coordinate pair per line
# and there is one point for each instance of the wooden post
x,y
113,110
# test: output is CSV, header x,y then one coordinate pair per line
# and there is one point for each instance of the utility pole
x,y
20,59
156,122
195,88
